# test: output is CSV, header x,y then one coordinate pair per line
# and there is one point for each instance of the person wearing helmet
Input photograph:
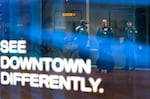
x,y
82,39
82,28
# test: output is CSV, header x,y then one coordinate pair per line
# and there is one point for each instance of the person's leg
x,y
126,67
133,58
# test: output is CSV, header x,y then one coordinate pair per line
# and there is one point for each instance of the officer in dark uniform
x,y
82,28
104,34
130,33
105,31
82,39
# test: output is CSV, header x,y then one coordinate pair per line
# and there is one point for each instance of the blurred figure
x,y
105,31
104,34
82,39
82,28
130,33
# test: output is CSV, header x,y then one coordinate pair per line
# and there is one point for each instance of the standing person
x,y
82,39
130,33
104,35
105,31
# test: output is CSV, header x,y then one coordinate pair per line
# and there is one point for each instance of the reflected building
x,y
117,15
69,13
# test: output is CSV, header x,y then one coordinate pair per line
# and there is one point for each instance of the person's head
x,y
104,22
129,24
83,22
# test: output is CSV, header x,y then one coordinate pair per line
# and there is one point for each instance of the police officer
x,y
105,30
130,33
82,39
104,34
82,28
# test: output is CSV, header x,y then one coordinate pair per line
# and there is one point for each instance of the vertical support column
x,y
58,21
35,36
14,33
35,24
134,13
147,25
88,14
148,30
11,26
134,18
14,11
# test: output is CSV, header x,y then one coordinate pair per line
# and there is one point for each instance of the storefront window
x,y
74,49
